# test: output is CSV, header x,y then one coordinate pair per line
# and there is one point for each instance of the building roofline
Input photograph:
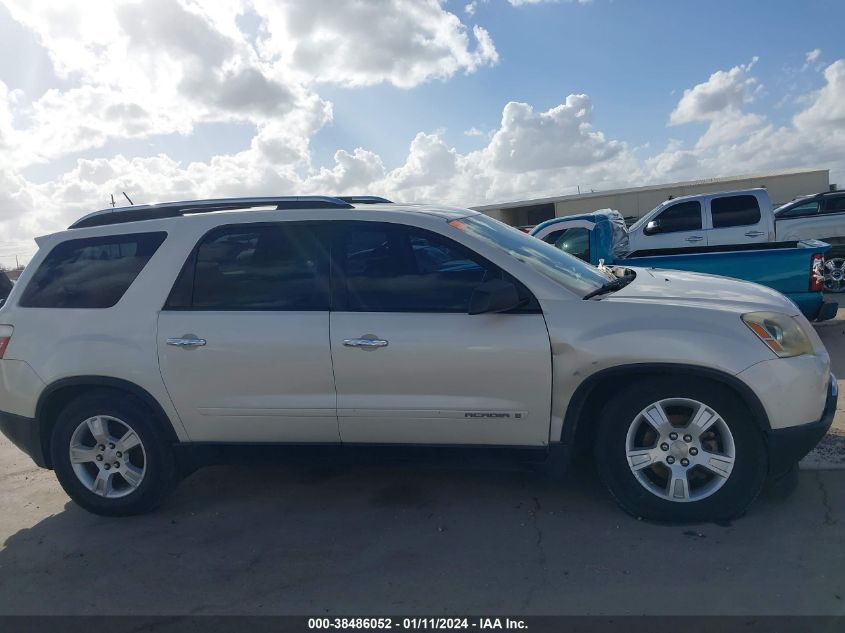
x,y
668,185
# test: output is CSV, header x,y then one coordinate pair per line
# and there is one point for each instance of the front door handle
x,y
188,340
365,342
694,238
754,234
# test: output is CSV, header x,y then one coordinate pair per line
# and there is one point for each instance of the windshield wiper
x,y
611,286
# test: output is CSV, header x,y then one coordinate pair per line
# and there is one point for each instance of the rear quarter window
x,y
91,272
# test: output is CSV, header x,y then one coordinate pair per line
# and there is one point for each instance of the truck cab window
x,y
684,216
734,211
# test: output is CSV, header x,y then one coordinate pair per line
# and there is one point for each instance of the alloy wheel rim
x,y
680,450
107,456
834,274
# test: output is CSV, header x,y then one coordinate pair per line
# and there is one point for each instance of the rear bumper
x,y
788,445
827,311
24,433
814,306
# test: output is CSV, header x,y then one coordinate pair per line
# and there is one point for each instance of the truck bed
x,y
784,266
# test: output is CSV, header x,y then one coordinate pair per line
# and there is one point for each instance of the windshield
x,y
568,271
782,209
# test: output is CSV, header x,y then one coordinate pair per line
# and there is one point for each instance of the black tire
x,y
160,474
728,502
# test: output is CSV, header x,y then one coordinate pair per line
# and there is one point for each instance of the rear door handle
x,y
694,238
365,342
188,340
754,234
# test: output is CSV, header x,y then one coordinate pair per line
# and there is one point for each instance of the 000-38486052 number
x,y
388,623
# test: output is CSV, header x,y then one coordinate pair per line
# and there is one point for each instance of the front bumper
x,y
24,433
788,445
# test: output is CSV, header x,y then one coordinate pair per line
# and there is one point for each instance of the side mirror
x,y
495,295
652,227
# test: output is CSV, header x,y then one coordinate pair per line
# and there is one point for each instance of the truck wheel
x,y
685,450
109,455
834,274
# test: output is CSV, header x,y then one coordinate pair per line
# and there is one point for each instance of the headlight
x,y
781,333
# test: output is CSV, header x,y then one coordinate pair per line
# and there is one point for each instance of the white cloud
x,y
157,67
135,75
520,3
729,126
673,160
162,66
529,154
352,173
827,111
401,42
719,102
560,137
6,128
812,59
724,91
742,142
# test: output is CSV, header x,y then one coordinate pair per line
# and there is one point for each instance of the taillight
x,y
817,273
5,337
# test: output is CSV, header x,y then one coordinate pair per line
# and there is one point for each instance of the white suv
x,y
142,335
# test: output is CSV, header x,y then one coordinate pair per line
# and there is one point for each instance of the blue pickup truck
x,y
792,268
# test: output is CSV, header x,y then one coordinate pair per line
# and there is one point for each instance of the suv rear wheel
x,y
110,456
678,450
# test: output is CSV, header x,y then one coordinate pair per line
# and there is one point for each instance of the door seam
x,y
164,382
334,379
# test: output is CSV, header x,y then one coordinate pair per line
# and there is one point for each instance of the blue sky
x,y
633,58
179,98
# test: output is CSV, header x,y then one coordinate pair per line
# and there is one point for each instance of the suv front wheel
x,y
680,450
110,456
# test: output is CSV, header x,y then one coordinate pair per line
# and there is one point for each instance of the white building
x,y
783,186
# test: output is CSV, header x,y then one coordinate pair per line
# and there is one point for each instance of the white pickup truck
x,y
744,217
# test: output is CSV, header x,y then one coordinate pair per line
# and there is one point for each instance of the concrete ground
x,y
368,540
830,453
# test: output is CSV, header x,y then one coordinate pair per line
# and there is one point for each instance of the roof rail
x,y
365,200
175,209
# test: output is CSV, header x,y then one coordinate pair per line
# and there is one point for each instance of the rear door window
x,y
834,205
734,211
282,266
91,272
